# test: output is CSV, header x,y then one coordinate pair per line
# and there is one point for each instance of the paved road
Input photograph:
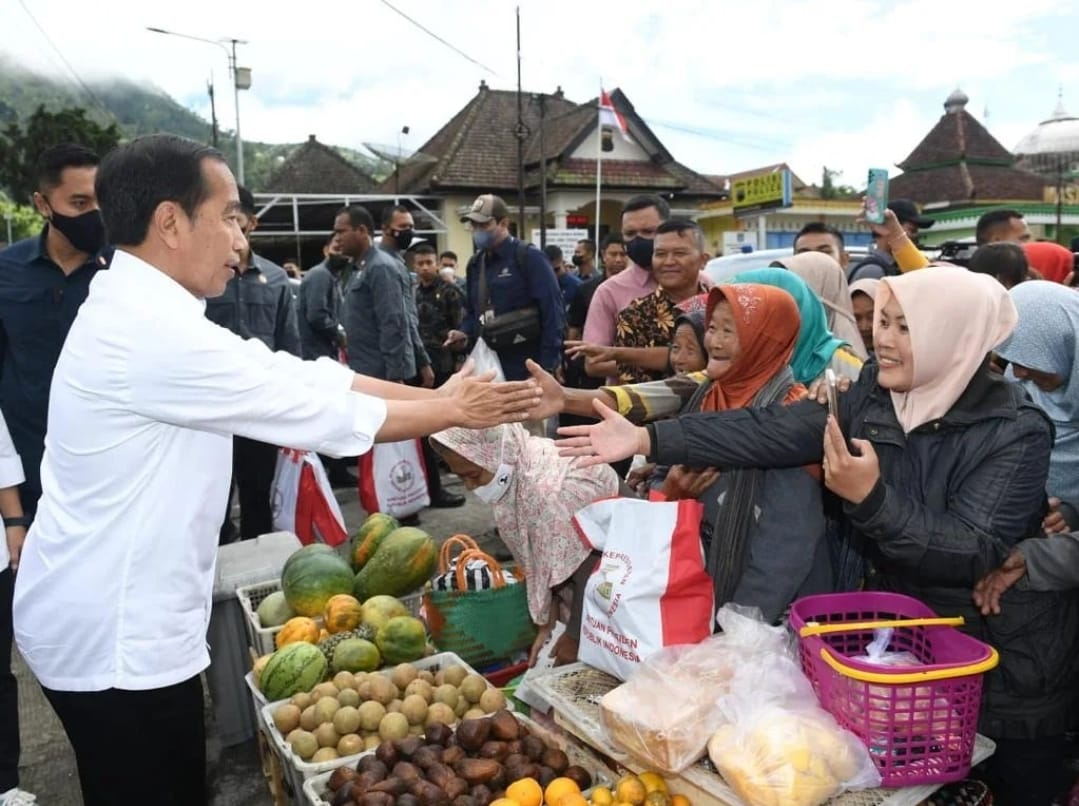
x,y
47,764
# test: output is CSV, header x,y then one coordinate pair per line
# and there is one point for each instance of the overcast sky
x,y
727,85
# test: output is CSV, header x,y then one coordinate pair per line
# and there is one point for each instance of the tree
x,y
21,145
24,220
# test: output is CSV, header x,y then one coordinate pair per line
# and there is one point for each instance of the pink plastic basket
x,y
918,722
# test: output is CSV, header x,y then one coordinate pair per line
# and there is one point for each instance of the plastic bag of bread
x,y
667,710
771,754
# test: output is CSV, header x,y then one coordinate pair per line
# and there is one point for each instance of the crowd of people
x,y
946,470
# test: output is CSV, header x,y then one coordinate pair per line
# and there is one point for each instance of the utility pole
x,y
522,132
213,111
541,99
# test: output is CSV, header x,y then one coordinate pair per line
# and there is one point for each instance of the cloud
x,y
847,83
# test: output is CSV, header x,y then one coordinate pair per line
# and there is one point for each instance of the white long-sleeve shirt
x,y
115,584
11,475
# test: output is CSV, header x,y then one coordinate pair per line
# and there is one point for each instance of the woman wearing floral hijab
x,y
945,472
534,493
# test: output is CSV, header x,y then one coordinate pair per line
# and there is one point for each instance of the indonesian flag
x,y
609,116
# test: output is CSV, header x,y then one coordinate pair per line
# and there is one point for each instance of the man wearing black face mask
x,y
398,232
641,217
43,282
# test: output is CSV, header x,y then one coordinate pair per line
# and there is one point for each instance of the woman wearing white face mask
x,y
535,494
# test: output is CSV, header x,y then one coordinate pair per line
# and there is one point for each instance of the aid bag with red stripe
x,y
302,499
649,590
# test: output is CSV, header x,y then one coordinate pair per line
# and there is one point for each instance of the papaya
x,y
370,536
402,563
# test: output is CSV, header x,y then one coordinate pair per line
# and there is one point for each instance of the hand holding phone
x,y
876,195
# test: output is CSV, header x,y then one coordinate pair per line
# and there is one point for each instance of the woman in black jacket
x,y
945,473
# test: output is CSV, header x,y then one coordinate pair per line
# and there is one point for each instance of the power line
x,y
722,137
432,34
70,69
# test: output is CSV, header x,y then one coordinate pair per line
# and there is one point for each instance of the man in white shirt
x,y
113,594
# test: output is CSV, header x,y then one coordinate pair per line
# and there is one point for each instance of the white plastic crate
x,y
296,769
262,638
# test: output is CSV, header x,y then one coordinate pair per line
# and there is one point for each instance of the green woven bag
x,y
481,626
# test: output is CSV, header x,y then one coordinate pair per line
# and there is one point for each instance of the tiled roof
x,y
967,183
477,150
959,161
317,168
956,136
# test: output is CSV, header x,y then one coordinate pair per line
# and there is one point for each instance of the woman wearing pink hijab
x,y
945,471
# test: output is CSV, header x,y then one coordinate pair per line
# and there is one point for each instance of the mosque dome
x,y
1053,142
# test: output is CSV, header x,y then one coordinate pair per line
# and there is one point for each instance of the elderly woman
x,y
534,493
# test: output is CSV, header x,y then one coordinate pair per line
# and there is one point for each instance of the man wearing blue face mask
x,y
43,281
513,300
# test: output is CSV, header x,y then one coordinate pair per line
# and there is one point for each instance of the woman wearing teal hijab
x,y
817,349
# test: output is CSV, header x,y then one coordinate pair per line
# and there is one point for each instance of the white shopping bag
x,y
393,479
649,589
302,499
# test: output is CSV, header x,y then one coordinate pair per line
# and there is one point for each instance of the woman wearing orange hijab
x,y
753,551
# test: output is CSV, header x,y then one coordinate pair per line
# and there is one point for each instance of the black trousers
x,y
137,747
9,693
1025,772
253,465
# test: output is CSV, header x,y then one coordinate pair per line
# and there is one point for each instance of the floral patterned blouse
x,y
647,322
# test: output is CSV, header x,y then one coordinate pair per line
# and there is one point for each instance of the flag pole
x,y
599,156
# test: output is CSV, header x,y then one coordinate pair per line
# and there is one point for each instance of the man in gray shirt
x,y
375,309
319,315
1048,563
257,304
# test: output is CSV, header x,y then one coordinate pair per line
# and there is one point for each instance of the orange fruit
x,y
505,802
526,792
653,782
558,788
631,790
602,796
680,800
572,799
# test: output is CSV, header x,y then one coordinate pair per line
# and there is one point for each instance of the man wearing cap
x,y
517,278
258,303
880,262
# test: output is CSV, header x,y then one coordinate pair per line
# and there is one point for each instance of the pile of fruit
x,y
646,789
356,712
496,760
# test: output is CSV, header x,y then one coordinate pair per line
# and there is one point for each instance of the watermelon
x,y
403,563
356,655
370,536
402,640
313,579
292,669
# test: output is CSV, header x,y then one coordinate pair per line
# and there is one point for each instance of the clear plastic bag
x,y
775,745
876,651
773,755
486,360
665,713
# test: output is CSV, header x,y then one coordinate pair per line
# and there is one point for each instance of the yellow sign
x,y
766,191
1070,196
